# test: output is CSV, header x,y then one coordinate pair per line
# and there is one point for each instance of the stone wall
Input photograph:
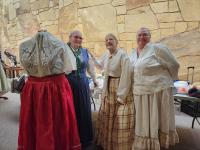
x,y
175,22
1,23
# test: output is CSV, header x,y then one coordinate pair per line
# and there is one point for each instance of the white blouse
x,y
90,66
154,69
45,55
116,65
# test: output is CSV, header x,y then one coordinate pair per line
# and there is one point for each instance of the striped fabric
x,y
115,123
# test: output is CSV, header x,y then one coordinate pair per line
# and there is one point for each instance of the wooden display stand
x,y
12,72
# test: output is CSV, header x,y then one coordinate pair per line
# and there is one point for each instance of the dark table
x,y
179,97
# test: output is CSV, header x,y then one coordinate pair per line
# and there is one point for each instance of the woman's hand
x,y
103,98
120,101
95,84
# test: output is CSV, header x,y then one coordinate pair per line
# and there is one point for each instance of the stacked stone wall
x,y
174,22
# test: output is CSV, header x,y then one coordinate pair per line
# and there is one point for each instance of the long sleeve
x,y
100,64
91,69
133,57
125,78
69,61
167,59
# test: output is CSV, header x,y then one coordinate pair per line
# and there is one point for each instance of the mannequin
x,y
3,80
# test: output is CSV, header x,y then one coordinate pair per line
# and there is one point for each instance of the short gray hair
x,y
144,28
74,32
112,35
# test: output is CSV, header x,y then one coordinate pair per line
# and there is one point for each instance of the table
x,y
179,97
12,72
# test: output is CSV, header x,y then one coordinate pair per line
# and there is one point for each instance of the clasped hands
x,y
119,101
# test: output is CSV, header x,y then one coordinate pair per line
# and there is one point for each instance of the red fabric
x,y
47,115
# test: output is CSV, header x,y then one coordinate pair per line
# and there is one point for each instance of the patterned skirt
x,y
47,116
155,121
115,123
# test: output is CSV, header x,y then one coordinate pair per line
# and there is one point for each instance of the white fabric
x,y
72,57
154,69
117,65
156,109
133,56
155,120
101,63
45,55
4,86
90,67
154,72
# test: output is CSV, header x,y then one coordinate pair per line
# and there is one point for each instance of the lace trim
x,y
168,139
165,140
145,143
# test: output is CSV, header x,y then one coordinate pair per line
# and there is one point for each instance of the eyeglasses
x,y
143,34
78,37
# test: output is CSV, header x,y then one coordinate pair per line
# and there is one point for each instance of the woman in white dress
x,y
155,68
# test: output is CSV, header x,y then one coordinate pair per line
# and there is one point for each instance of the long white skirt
x,y
155,121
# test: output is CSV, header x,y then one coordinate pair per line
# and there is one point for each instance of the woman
x,y
80,87
155,68
47,116
115,123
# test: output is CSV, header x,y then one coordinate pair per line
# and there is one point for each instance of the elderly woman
x,y
47,115
115,123
155,68
80,86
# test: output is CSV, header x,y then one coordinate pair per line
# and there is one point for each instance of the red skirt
x,y
47,115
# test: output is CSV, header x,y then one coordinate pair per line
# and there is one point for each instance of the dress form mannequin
x,y
1,93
